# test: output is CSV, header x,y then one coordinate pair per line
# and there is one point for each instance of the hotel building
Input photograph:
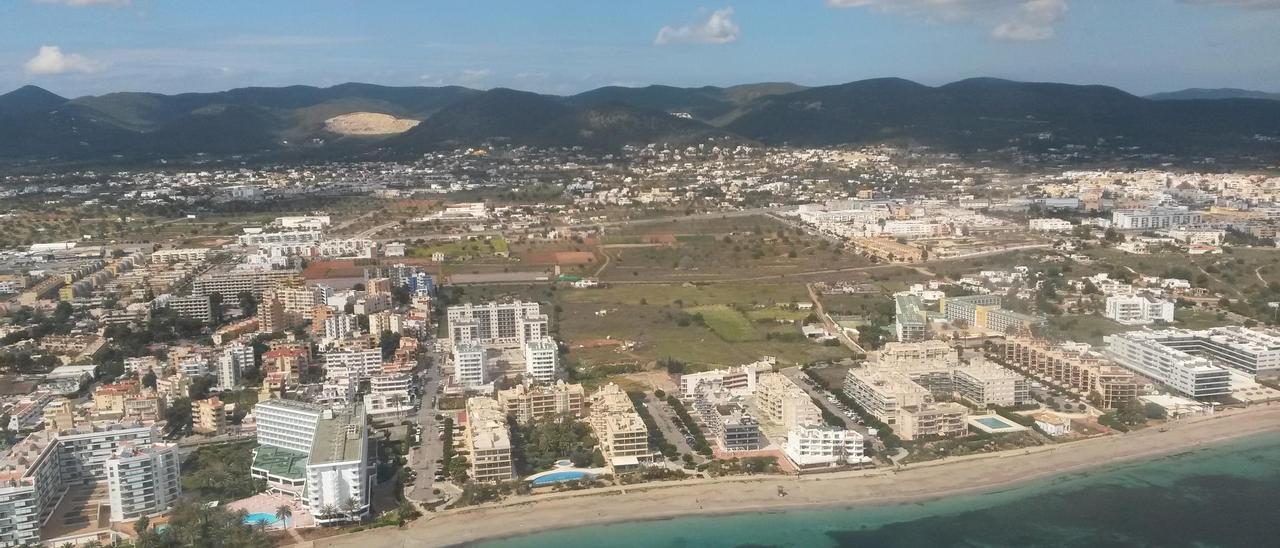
x,y
1182,372
784,403
1075,368
624,438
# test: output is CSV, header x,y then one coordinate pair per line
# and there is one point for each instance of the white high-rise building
x,y
232,361
143,480
500,324
340,326
360,363
286,424
542,359
470,364
1138,310
337,469
42,468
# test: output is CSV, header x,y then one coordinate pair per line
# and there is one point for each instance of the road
x,y
423,458
797,376
831,324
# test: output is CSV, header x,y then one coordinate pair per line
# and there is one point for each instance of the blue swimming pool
x,y
262,517
995,424
557,477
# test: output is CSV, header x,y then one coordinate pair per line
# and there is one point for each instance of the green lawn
x,y
1090,328
726,322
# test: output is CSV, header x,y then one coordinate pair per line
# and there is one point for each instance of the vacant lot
x,y
710,249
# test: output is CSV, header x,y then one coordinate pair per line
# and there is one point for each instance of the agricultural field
x,y
715,249
483,246
703,327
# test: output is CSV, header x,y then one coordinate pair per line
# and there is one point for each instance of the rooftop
x,y
281,462
340,438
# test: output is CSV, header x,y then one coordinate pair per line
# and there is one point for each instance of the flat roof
x,y
280,462
332,442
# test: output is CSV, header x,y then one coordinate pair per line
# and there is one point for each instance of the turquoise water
x,y
556,477
995,424
1227,495
269,519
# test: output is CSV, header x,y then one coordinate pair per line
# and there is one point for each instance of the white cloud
x,y
1017,20
1033,21
1252,4
719,28
51,60
112,3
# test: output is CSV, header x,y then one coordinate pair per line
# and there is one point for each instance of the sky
x,y
84,47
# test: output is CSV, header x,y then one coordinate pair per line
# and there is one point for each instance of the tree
x,y
149,380
140,527
283,513
248,305
215,308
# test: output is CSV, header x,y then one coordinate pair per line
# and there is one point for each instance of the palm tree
x,y
283,513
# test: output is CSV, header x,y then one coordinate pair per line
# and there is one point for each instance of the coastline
x,y
975,474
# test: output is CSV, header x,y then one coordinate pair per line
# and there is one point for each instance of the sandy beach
x,y
963,475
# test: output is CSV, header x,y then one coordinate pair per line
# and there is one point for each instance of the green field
x,y
726,322
461,249
1090,328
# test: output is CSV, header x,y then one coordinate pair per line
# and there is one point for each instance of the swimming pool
x,y
993,424
557,477
262,517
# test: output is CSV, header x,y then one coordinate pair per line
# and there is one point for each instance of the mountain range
x,y
1213,93
969,114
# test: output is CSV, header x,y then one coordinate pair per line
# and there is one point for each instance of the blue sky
x,y
78,47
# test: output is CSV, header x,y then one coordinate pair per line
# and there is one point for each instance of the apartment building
x,y
470,363
42,468
143,480
185,255
1189,375
231,282
231,360
986,384
624,438
893,398
782,402
1247,350
889,250
196,307
1074,367
1138,309
530,402
1049,225
910,320
927,363
358,363
541,359
209,416
817,446
507,324
488,440
1153,218
735,381
984,312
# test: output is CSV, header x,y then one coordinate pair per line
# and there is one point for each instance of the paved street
x,y
820,395
422,459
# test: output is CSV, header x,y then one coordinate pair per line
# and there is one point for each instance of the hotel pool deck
x,y
995,424
564,471
262,507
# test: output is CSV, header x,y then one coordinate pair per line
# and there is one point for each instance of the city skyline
x,y
79,47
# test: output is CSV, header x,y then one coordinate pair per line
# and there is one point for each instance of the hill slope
x,y
1214,93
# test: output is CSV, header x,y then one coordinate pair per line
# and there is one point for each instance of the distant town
x,y
305,352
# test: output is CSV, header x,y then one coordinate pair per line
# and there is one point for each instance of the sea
x,y
1219,495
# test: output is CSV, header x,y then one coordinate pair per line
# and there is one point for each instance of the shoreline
x,y
969,475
